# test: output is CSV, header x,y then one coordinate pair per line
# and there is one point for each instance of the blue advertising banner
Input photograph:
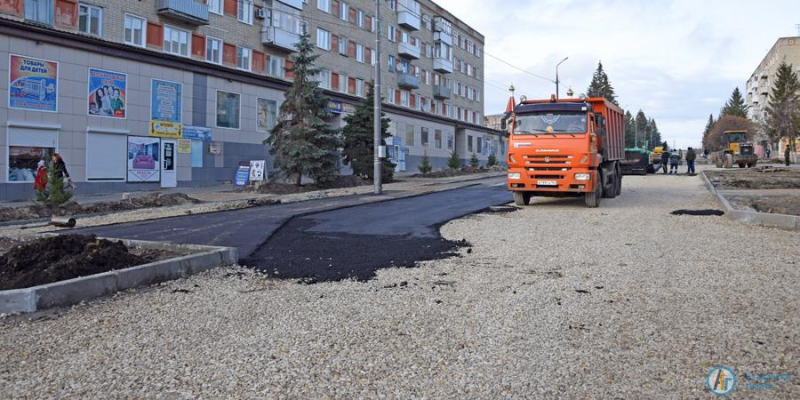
x,y
165,102
107,93
33,84
242,174
334,106
197,133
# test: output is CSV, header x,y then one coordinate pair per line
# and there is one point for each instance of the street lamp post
x,y
376,173
557,81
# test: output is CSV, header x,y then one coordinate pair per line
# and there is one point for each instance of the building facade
x,y
761,81
158,93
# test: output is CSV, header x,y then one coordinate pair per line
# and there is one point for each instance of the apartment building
x,y
761,81
162,93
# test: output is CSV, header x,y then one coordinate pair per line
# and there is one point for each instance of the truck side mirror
x,y
503,125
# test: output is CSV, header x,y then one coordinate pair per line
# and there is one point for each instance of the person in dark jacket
x,y
674,160
690,157
788,155
664,161
61,168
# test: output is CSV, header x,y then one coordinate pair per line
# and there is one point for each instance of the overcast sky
x,y
677,60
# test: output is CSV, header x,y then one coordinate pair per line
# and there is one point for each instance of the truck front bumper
x,y
523,180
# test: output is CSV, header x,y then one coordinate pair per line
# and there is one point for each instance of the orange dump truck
x,y
566,148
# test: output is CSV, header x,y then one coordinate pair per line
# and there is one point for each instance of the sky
x,y
678,61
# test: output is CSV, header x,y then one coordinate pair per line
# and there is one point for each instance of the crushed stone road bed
x,y
553,301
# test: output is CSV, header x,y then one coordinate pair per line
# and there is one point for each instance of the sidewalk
x,y
224,197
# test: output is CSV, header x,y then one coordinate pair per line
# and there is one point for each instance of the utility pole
x,y
557,81
377,159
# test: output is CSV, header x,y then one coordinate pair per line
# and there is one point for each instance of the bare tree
x,y
714,140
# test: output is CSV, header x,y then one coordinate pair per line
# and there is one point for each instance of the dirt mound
x,y
755,178
72,208
339,182
58,258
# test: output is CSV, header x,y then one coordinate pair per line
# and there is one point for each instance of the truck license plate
x,y
547,183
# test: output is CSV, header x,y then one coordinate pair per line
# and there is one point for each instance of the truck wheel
x,y
728,163
741,165
618,189
610,190
751,165
593,199
522,198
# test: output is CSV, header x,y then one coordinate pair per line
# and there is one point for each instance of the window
x,y
426,22
215,6
423,136
245,11
390,95
228,110
323,39
324,79
480,146
267,114
90,19
360,53
22,161
404,98
275,66
469,144
391,33
392,63
343,10
324,5
243,58
134,30
286,22
437,139
176,41
343,46
40,11
343,83
213,50
360,87
409,135
450,141
360,18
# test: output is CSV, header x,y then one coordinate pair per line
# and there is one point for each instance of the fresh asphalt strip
x,y
354,242
326,239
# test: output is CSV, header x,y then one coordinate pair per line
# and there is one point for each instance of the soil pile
x,y
58,258
756,178
339,182
72,208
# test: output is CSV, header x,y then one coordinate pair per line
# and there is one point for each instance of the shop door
x,y
169,176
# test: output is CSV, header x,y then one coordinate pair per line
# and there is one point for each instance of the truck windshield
x,y
551,123
736,137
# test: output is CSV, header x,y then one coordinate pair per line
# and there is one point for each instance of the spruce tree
x,y
783,106
302,142
641,128
709,127
358,136
630,130
491,161
600,86
735,106
425,165
473,162
653,134
55,187
454,162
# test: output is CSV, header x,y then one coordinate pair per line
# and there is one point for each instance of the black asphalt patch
x,y
699,213
297,252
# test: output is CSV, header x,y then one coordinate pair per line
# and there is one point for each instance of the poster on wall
x,y
165,129
33,84
143,155
107,93
184,146
165,101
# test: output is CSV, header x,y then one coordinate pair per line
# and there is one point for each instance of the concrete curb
x,y
782,221
74,291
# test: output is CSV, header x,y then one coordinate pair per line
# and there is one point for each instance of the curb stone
x,y
782,221
73,291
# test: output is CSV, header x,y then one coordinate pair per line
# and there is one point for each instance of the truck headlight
x,y
583,177
514,175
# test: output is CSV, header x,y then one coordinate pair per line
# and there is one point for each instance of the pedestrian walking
x,y
40,183
787,154
690,157
674,160
769,153
664,160
61,169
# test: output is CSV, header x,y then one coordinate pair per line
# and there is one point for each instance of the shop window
x,y
267,114
437,139
409,135
228,110
424,137
22,162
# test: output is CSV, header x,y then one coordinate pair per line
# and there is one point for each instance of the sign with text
x,y
107,93
334,106
33,84
242,174
165,102
184,146
165,129
197,133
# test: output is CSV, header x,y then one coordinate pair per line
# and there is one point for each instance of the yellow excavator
x,y
737,151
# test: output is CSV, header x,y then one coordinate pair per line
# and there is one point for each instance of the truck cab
x,y
566,148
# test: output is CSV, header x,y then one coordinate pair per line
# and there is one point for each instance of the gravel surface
x,y
553,301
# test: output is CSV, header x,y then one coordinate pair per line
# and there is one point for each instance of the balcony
x,y
408,50
443,37
407,81
189,11
298,4
442,92
442,65
408,20
279,38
